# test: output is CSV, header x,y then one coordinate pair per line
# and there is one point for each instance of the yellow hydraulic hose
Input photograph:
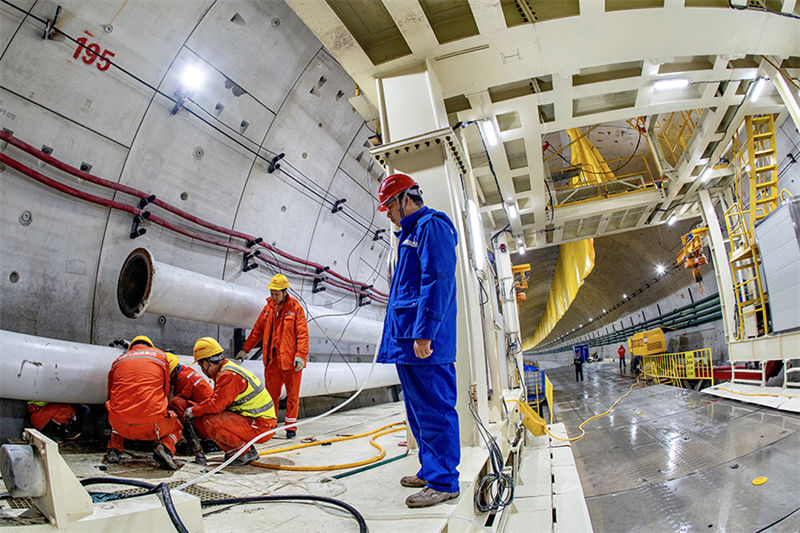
x,y
583,432
385,430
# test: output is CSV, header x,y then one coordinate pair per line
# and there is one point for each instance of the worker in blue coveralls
x,y
419,336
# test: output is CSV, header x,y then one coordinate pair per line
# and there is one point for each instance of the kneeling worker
x,y
240,407
138,385
187,388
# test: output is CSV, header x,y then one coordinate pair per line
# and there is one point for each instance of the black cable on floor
x,y
497,485
781,519
362,524
161,487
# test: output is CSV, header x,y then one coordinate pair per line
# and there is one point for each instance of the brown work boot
x,y
412,481
164,458
428,496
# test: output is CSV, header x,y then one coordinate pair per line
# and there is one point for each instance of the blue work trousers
x,y
430,394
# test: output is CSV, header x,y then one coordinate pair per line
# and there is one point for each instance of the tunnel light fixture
x,y
476,231
489,132
193,77
758,89
624,296
512,211
661,269
604,311
671,220
521,247
669,84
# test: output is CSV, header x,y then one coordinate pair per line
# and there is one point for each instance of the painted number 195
x,y
92,53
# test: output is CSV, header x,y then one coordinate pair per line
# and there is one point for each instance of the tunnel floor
x,y
671,459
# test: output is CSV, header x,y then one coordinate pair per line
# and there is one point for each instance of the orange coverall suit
x,y
138,385
228,429
190,389
60,413
284,335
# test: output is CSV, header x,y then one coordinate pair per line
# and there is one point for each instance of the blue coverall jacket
x,y
422,298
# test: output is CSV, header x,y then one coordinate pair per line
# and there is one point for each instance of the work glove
x,y
187,415
299,363
241,355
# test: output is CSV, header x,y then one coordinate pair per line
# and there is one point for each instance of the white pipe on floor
x,y
146,285
50,370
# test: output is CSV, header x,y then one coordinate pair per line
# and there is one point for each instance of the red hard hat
x,y
393,185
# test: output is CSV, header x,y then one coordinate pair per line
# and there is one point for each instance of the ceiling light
x,y
512,211
671,220
192,77
489,132
673,83
591,319
758,89
624,296
660,269
604,310
476,230
706,175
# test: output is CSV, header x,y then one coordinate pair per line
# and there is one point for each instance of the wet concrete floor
x,y
670,459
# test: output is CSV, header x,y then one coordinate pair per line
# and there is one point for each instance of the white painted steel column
x,y
50,370
508,299
412,105
790,94
146,285
722,267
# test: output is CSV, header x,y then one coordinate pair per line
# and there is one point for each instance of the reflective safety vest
x,y
255,401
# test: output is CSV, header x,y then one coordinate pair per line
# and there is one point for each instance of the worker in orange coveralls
x,y
187,388
283,329
138,385
240,408
56,420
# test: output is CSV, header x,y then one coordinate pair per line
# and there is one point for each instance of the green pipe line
x,y
701,312
368,467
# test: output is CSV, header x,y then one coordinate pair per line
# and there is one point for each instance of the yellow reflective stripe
x,y
254,401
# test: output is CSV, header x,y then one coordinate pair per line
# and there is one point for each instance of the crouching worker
x,y
56,420
240,407
187,388
138,385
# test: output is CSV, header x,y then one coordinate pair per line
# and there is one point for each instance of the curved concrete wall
x,y
269,85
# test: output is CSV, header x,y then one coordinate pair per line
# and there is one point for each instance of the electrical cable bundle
x,y
497,486
164,490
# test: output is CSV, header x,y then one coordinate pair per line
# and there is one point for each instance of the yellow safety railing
x,y
673,135
675,368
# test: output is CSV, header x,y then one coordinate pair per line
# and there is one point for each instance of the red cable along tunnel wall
x,y
320,273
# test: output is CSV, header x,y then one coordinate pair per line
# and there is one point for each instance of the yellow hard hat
x,y
206,347
278,283
173,361
142,339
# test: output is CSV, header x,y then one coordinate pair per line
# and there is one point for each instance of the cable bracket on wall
x,y
273,164
363,299
136,231
50,27
377,235
337,205
247,266
144,202
318,281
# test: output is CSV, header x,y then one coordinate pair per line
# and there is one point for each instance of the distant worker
x,y
240,407
283,330
621,352
55,420
187,388
578,362
419,335
138,385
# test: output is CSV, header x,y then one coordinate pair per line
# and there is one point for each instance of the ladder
x,y
754,157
